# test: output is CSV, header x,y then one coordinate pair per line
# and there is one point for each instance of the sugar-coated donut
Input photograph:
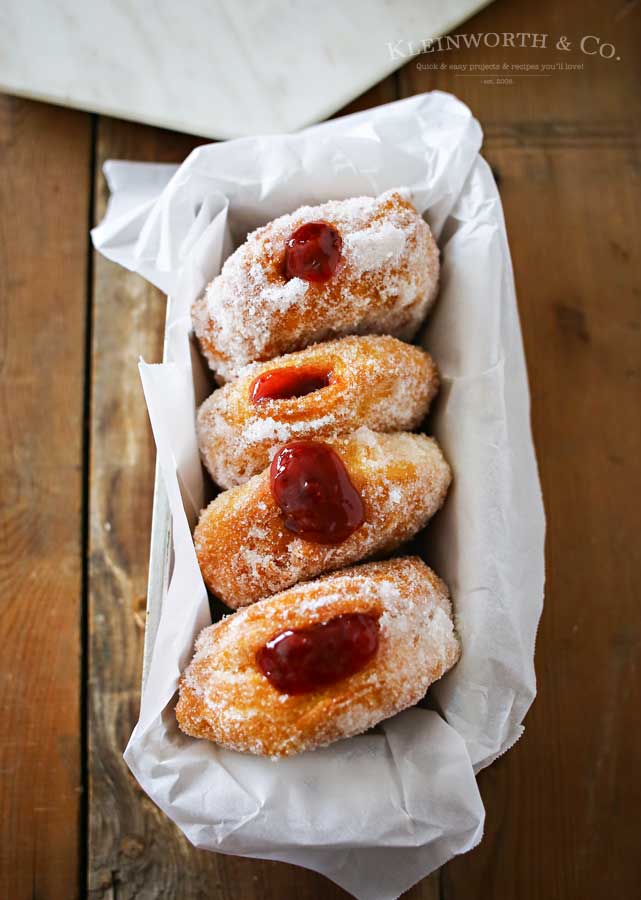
x,y
385,278
226,697
248,548
377,381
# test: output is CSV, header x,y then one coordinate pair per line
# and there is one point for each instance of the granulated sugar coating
x,y
246,553
377,381
385,282
225,698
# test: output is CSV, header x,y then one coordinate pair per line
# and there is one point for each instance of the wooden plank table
x,y
77,465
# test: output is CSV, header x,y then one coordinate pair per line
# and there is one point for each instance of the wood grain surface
x,y
77,465
43,259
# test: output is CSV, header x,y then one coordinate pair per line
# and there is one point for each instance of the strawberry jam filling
x,y
307,659
285,384
313,252
314,492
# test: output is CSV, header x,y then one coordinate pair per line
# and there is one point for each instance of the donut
x,y
320,506
322,661
359,266
326,390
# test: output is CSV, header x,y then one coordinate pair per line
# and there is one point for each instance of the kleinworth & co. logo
x,y
505,71
589,44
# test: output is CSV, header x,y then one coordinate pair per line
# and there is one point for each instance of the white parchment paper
x,y
378,812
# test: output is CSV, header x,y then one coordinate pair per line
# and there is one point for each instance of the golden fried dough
x,y
386,280
376,381
245,551
226,698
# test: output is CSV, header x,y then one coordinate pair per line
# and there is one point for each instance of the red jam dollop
x,y
313,489
313,252
285,384
306,659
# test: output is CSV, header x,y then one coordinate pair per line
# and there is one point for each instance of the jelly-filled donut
x,y
322,661
320,506
368,265
326,390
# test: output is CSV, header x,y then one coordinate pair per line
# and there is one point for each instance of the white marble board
x,y
216,68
